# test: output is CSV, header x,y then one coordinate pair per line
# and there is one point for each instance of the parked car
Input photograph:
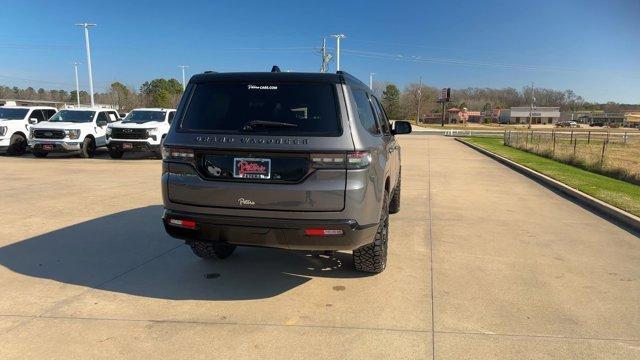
x,y
80,130
141,130
14,126
568,123
303,161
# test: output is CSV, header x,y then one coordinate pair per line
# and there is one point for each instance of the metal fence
x,y
614,154
474,133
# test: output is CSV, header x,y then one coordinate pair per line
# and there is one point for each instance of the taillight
x,y
187,224
323,232
349,160
328,161
358,159
177,154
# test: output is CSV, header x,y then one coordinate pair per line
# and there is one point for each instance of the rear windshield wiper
x,y
255,124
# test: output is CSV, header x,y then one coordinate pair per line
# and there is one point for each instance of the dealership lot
x,y
484,263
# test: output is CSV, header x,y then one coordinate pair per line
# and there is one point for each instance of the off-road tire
x,y
394,204
372,258
115,153
88,148
211,250
40,154
17,145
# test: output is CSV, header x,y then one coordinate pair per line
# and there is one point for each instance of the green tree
x,y
391,101
162,92
122,96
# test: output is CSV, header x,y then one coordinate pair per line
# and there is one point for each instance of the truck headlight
x,y
108,131
3,130
151,131
73,134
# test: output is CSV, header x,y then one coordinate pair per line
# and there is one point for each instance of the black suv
x,y
303,161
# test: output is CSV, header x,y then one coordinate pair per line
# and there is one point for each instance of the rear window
x,y
273,109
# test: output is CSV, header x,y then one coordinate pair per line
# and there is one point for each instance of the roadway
x,y
484,263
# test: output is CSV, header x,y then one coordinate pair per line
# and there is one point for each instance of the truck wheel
x,y
394,205
372,257
115,153
88,148
17,145
40,154
211,250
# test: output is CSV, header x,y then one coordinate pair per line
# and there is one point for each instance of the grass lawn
x,y
618,193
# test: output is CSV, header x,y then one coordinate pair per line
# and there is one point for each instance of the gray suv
x,y
304,161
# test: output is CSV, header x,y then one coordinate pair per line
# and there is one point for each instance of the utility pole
x,y
75,67
338,37
419,100
371,81
326,57
184,84
533,100
86,27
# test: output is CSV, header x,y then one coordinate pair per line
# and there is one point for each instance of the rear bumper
x,y
58,146
135,145
268,232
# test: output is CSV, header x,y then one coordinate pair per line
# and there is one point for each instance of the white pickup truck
x,y
80,130
141,130
14,126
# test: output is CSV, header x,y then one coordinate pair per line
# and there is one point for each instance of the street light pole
x,y
75,67
533,99
371,80
86,27
338,37
184,84
419,100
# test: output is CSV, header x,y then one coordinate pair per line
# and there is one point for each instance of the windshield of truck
x,y
143,116
74,116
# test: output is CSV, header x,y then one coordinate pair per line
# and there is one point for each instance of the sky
x,y
589,46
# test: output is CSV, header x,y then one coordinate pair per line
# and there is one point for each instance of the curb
x,y
601,208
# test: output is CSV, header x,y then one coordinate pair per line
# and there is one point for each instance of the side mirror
x,y
33,121
401,127
102,123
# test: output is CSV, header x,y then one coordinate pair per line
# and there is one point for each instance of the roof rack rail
x,y
210,72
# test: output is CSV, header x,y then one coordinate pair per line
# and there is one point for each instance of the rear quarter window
x,y
302,109
365,111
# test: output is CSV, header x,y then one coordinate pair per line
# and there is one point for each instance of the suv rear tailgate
x,y
320,190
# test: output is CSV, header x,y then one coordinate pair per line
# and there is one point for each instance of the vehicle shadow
x,y
129,252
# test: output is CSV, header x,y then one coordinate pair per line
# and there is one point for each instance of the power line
x,y
474,63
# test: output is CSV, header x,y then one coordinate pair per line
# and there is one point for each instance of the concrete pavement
x,y
497,265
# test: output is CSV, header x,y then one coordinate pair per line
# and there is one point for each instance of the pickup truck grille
x,y
49,134
128,133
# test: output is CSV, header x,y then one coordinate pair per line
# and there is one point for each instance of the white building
x,y
539,115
